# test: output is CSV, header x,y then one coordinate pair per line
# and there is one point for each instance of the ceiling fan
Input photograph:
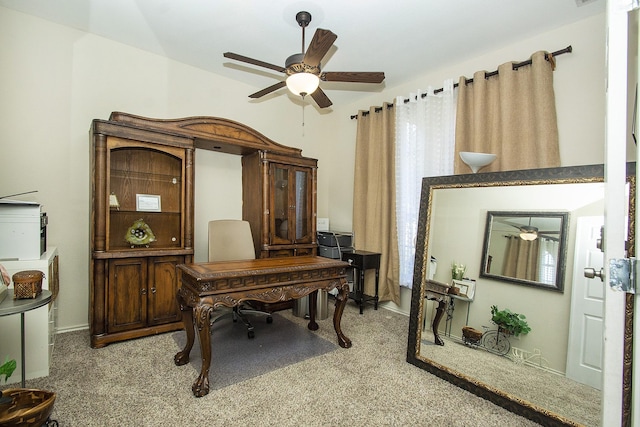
x,y
530,232
303,69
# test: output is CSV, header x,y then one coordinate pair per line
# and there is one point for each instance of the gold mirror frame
x,y
562,175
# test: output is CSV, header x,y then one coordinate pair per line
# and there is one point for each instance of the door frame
x,y
617,397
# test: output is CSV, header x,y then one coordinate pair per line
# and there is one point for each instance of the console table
x,y
362,261
206,286
15,306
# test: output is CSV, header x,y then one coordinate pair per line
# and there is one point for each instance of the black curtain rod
x,y
567,49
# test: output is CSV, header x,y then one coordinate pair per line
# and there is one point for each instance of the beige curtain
x,y
374,199
512,114
522,258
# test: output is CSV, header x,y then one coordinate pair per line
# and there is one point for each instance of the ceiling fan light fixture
x,y
302,83
528,233
529,236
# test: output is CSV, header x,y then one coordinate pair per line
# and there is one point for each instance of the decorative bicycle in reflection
x,y
493,340
497,340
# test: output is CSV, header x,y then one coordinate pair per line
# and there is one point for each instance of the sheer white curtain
x,y
548,263
425,140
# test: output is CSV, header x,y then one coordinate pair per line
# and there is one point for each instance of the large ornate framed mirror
x,y
532,380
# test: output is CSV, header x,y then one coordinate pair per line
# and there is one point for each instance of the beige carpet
x,y
238,358
136,383
548,390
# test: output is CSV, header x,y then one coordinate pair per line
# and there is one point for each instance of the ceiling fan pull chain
x,y
303,103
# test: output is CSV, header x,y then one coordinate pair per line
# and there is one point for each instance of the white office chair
x,y
229,240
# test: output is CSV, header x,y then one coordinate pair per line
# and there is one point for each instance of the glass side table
x,y
10,306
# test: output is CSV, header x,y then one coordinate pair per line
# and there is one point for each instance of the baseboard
x,y
388,305
72,329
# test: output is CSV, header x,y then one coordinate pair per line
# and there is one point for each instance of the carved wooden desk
x,y
206,286
436,291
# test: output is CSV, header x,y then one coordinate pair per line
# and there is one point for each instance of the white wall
x,y
55,80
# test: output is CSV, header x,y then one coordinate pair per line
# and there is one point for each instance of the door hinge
x,y
623,274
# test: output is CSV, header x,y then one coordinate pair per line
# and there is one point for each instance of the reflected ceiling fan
x,y
303,69
530,232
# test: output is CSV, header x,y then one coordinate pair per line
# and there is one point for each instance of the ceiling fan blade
x,y
319,46
513,223
252,61
353,76
268,90
321,98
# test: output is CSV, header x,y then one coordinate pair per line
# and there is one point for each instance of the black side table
x,y
362,261
21,306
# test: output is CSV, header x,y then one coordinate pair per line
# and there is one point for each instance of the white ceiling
x,y
403,38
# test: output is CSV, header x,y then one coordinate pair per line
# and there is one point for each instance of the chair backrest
x,y
230,239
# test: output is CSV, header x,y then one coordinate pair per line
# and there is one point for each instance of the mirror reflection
x,y
526,248
541,376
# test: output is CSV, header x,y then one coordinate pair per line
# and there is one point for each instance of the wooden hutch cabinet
x,y
142,213
141,228
282,207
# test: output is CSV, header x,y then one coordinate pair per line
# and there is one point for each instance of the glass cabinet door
x,y
145,197
290,205
302,207
281,212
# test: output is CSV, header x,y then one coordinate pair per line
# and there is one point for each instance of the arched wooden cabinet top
x,y
210,133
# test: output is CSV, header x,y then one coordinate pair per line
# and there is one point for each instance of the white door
x,y
616,134
585,346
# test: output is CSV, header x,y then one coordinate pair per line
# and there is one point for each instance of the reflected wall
x,y
458,218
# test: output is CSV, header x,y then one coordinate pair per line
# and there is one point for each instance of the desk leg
x,y
203,313
436,322
341,302
313,306
182,357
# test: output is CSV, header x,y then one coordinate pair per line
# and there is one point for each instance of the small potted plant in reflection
x,y
457,271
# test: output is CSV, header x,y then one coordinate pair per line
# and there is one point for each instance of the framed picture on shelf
x,y
467,287
147,203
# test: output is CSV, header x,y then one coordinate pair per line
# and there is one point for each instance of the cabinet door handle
x,y
143,291
153,290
